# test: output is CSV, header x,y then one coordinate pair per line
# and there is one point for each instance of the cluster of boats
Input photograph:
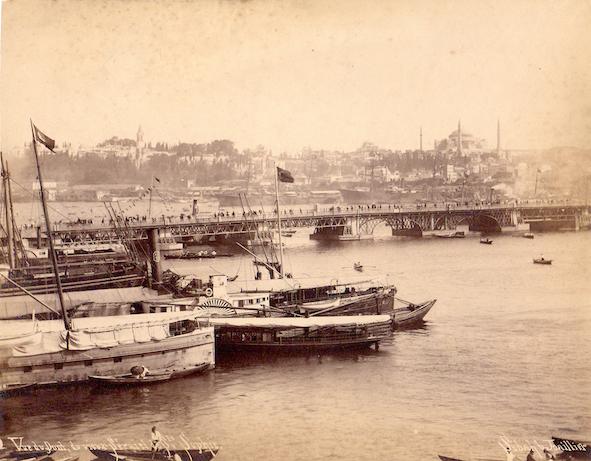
x,y
165,454
174,331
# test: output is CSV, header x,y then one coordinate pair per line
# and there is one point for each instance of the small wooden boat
x,y
447,458
21,455
528,235
7,390
411,314
358,267
199,454
181,373
61,457
320,305
546,262
128,379
486,241
573,448
199,255
453,235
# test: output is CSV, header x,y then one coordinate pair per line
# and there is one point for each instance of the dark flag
x,y
284,175
43,138
157,180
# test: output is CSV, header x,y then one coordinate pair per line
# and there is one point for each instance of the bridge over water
x,y
349,220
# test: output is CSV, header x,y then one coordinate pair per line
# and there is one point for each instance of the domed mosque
x,y
461,142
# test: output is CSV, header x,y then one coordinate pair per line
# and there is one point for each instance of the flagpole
x,y
278,221
52,254
150,202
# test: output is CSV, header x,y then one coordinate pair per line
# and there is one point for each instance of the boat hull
x,y
129,380
405,317
163,455
574,448
289,348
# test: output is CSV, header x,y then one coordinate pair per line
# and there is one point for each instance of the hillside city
x,y
460,167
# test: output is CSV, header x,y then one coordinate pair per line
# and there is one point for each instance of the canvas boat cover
x,y
298,322
87,333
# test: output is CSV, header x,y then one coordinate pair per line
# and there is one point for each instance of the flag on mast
x,y
43,138
284,175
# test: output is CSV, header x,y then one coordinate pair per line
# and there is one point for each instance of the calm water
x,y
505,351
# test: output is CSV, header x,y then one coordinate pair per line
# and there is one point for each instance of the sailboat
x,y
70,350
109,271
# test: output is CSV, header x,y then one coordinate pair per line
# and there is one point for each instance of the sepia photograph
x,y
298,230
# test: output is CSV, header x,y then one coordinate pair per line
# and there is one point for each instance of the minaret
x,y
139,146
498,137
459,138
421,139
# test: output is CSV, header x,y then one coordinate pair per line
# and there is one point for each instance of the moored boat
x,y
453,235
127,379
105,345
158,376
7,390
297,333
528,235
411,314
543,261
486,241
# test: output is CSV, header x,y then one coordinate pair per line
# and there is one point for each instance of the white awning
x,y
297,322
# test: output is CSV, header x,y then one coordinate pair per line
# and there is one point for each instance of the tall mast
x,y
7,210
278,221
52,254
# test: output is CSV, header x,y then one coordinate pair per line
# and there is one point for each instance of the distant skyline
x,y
293,74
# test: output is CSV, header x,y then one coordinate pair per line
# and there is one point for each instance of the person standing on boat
x,y
510,456
155,437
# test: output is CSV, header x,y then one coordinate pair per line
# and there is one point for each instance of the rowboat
x,y
528,235
453,235
320,305
162,455
6,453
15,389
574,448
412,313
447,458
546,262
486,241
358,267
128,379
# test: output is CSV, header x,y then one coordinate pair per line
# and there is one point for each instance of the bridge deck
x,y
428,217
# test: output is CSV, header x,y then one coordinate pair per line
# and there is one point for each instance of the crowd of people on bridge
x,y
223,215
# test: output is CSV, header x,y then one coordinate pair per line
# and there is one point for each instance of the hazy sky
x,y
289,74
